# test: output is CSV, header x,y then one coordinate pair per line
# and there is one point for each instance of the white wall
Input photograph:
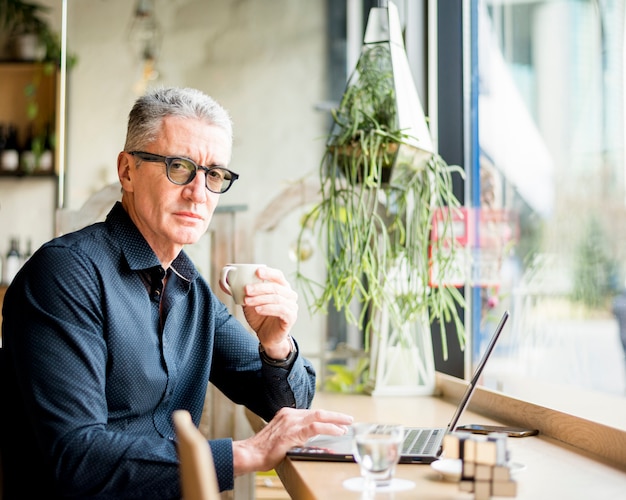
x,y
264,61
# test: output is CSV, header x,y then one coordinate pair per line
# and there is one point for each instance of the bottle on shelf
x,y
12,262
46,159
28,155
3,138
27,252
10,158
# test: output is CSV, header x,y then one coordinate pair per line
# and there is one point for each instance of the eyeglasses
x,y
182,171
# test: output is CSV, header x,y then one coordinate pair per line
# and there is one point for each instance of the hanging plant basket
x,y
358,164
353,162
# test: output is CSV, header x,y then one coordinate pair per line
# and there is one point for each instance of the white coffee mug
x,y
234,278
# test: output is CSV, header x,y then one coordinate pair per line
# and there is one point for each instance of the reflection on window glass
x,y
551,134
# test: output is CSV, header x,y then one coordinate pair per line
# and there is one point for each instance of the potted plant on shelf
x,y
381,188
26,33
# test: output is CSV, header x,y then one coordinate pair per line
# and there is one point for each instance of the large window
x,y
552,181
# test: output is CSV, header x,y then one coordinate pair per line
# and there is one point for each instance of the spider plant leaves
x,y
375,227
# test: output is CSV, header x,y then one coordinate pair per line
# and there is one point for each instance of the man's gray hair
x,y
149,110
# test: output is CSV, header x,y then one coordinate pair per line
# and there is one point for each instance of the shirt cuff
x,y
222,450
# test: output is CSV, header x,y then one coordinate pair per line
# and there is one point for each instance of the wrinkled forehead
x,y
202,141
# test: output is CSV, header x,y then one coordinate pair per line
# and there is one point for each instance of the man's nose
x,y
197,187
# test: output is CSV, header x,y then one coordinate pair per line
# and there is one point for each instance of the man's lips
x,y
189,215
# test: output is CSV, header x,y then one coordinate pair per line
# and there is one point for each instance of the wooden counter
x,y
552,469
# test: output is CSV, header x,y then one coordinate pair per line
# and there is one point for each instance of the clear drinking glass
x,y
377,450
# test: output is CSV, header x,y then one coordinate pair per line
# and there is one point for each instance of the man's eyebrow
x,y
185,157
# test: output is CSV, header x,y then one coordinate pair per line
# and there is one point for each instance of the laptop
x,y
421,445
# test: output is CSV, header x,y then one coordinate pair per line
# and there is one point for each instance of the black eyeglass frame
x,y
168,160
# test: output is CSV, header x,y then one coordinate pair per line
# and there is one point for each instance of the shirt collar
x,y
136,250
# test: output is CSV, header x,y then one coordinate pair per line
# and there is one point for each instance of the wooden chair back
x,y
197,471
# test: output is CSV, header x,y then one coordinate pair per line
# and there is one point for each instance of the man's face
x,y
168,215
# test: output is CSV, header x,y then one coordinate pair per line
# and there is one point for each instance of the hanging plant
x,y
374,220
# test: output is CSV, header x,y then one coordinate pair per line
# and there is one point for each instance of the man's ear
x,y
124,171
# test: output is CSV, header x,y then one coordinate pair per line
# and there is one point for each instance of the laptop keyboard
x,y
420,441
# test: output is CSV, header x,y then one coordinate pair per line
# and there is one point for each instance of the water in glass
x,y
377,451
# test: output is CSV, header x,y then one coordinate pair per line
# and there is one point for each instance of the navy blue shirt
x,y
93,370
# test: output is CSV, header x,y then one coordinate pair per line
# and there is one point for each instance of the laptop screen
x,y
479,369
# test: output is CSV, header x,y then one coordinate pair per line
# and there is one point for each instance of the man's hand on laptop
x,y
290,427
